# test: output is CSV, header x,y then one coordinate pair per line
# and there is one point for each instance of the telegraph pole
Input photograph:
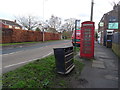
x,y
91,17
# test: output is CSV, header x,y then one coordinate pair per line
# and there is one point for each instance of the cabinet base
x,y
68,71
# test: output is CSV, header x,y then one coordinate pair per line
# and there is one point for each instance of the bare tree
x,y
68,25
54,22
29,22
71,23
114,3
67,28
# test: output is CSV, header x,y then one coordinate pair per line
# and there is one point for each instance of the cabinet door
x,y
69,64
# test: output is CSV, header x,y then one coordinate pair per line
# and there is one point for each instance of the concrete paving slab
x,y
102,59
95,65
101,53
101,62
98,64
111,77
105,57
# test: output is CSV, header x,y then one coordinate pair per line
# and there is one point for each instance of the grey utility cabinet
x,y
64,58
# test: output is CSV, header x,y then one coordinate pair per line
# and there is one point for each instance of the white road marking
x,y
20,46
13,52
26,61
47,55
18,51
24,50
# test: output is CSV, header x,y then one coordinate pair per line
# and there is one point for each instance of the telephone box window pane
x,y
87,52
87,35
87,39
87,32
87,45
89,25
87,29
87,42
87,49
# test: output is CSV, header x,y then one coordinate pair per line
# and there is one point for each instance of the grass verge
x,y
40,74
7,44
76,50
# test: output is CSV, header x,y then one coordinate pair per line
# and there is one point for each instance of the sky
x,y
65,9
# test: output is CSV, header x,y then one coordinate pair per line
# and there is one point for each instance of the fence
x,y
116,43
14,35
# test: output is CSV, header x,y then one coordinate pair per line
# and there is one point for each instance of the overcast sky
x,y
79,9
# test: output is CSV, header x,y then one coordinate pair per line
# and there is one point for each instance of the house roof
x,y
8,22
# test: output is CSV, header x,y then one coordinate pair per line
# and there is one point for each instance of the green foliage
x,y
79,65
76,50
37,29
62,82
96,35
67,34
38,74
35,74
6,44
19,84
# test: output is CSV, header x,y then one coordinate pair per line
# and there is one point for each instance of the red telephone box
x,y
87,40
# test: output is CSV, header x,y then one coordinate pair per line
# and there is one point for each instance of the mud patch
x,y
83,81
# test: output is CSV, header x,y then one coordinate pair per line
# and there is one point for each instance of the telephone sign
x,y
87,40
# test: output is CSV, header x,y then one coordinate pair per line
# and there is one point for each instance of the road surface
x,y
13,58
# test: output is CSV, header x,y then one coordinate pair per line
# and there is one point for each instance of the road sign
x,y
113,25
101,24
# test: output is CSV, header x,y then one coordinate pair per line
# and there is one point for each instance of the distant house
x,y
109,21
9,24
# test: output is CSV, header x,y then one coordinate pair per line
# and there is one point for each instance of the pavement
x,y
101,72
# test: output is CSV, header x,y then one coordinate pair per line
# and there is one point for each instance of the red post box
x,y
87,40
